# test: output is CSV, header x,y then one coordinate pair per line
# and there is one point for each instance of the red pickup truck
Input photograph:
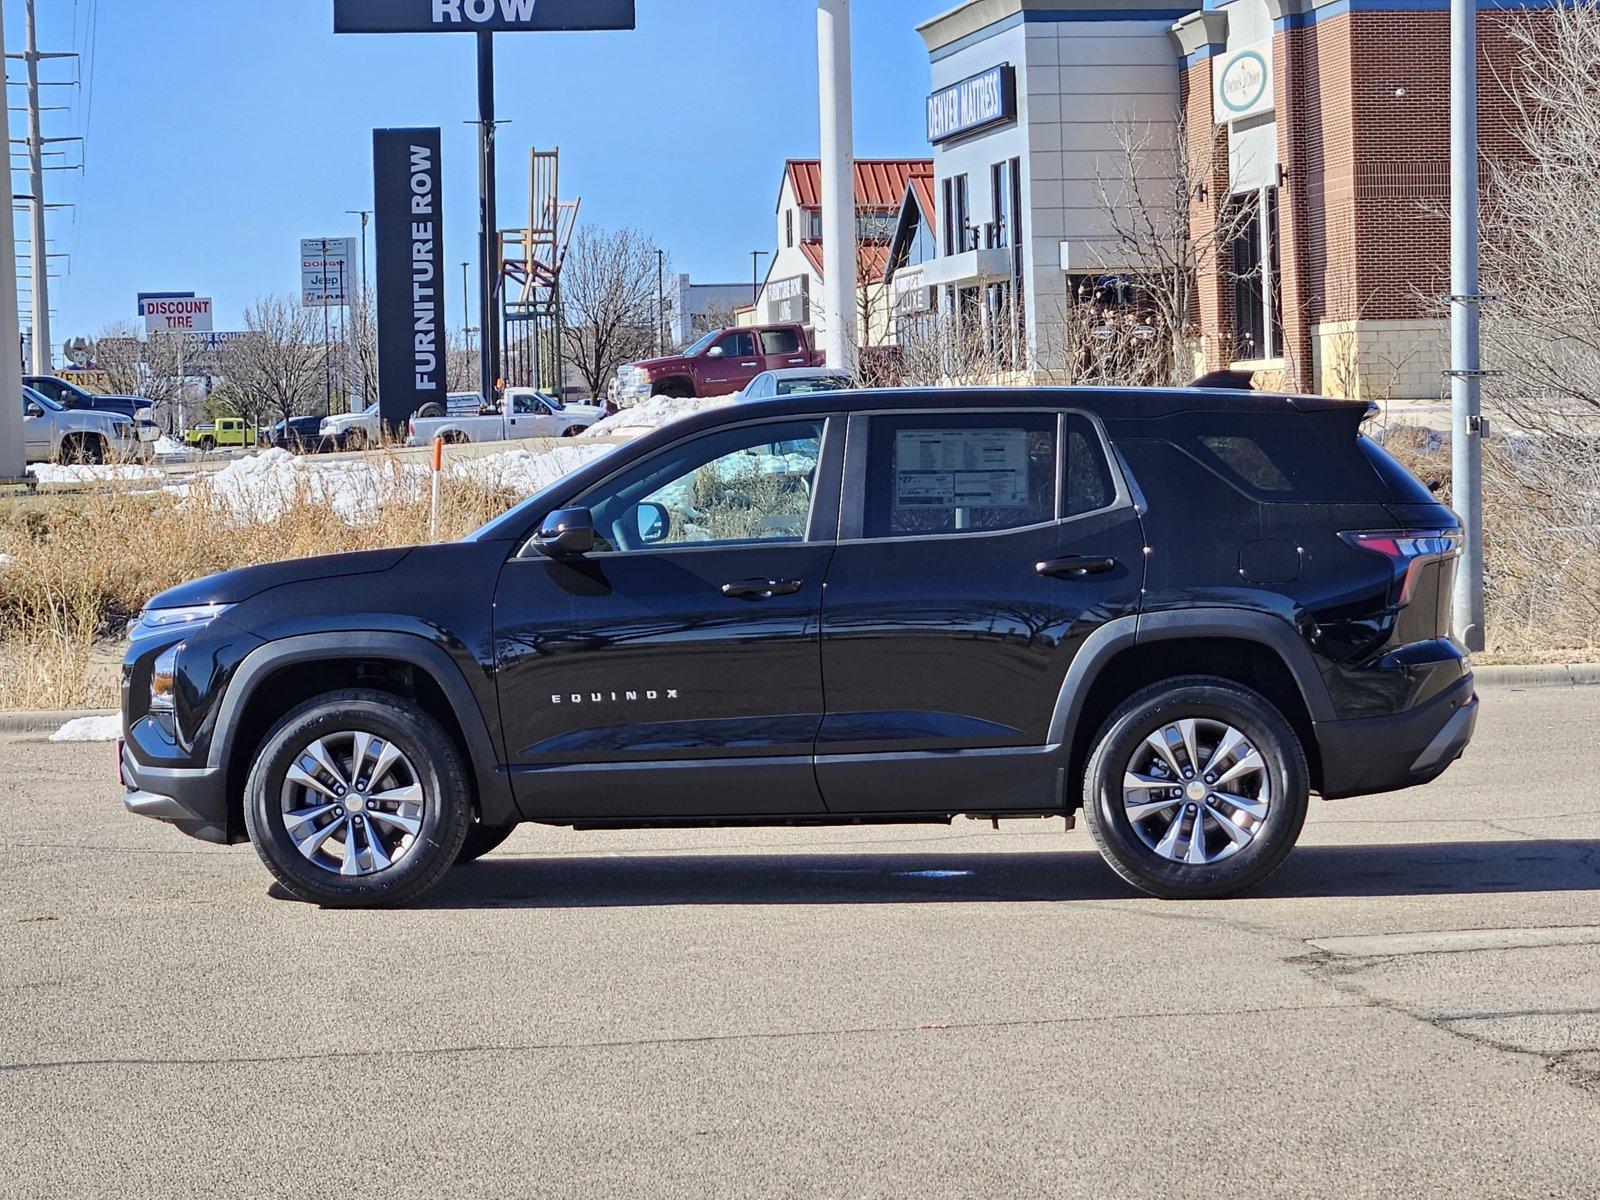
x,y
721,362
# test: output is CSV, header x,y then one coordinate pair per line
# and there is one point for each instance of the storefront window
x,y
1258,322
957,216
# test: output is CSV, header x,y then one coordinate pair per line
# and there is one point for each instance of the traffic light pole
x,y
488,225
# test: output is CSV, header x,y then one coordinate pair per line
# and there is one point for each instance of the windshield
x,y
41,399
697,347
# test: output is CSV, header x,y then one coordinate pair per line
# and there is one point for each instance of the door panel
x,y
630,678
951,649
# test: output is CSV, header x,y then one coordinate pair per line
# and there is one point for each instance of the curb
x,y
45,722
1541,675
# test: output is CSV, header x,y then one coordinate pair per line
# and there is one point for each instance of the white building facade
x,y
1031,108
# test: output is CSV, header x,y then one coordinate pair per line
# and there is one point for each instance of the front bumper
x,y
195,799
1381,754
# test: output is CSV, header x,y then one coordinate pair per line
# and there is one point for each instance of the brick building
x,y
1317,139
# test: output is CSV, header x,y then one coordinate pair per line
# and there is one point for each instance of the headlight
x,y
162,677
158,620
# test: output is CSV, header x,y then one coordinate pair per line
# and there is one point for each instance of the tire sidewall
x,y
446,813
1271,735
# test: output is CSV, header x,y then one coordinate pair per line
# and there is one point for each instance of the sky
x,y
217,133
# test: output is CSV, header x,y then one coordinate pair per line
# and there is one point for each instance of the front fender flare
x,y
495,801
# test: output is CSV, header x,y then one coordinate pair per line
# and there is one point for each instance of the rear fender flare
x,y
1105,643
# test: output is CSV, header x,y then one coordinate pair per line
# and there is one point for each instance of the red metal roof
x,y
872,258
922,185
880,182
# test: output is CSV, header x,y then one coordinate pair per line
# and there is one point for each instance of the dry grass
x,y
75,573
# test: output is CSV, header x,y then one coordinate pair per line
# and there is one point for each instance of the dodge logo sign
x,y
479,16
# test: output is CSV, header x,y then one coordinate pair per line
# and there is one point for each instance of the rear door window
x,y
780,341
949,473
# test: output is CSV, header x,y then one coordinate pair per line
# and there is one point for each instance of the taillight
x,y
1409,550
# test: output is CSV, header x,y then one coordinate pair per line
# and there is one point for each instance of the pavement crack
x,y
700,1040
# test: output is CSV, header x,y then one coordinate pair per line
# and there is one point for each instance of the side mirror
x,y
30,409
655,523
567,533
715,352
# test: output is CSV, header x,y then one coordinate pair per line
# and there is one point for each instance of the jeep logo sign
x,y
479,16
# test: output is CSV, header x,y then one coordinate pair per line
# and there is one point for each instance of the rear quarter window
x,y
1275,457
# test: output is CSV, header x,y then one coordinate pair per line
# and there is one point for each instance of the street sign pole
x,y
488,225
1466,420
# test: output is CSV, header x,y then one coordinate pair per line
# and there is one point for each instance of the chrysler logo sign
x,y
974,103
479,16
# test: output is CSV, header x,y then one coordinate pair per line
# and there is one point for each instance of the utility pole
x,y
42,353
838,182
366,215
661,302
366,382
488,224
466,313
13,459
1466,371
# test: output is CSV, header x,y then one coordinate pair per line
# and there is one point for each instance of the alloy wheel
x,y
352,803
1196,791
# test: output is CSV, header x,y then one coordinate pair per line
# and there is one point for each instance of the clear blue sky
x,y
219,132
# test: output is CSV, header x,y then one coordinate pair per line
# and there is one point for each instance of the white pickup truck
x,y
524,413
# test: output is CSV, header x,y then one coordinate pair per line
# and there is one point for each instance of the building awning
x,y
964,270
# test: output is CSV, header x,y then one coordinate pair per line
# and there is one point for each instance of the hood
x,y
669,362
231,587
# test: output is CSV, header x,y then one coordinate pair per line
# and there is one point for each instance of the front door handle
x,y
761,589
1075,566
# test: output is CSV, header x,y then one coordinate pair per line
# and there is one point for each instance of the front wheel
x,y
355,439
1196,788
358,799
207,444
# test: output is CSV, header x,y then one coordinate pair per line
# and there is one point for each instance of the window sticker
x,y
961,468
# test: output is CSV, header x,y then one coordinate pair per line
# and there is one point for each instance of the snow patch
x,y
652,414
171,447
105,728
89,473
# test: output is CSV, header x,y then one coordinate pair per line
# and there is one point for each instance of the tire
x,y
83,450
481,839
436,824
207,445
356,439
1157,852
572,431
431,410
675,389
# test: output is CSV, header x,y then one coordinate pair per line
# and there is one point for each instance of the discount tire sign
x,y
479,16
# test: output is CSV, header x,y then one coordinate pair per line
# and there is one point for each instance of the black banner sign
x,y
409,215
479,16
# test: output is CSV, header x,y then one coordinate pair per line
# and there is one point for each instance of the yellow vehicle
x,y
222,432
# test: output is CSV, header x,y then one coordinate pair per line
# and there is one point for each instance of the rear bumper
x,y
195,799
1381,754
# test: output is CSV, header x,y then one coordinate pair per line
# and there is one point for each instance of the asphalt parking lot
x,y
1411,1007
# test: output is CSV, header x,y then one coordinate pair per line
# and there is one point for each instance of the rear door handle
x,y
761,589
1075,566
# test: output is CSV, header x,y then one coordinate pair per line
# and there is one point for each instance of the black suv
x,y
1180,611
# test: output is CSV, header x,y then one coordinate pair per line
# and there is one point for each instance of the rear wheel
x,y
207,444
357,799
1196,788
572,431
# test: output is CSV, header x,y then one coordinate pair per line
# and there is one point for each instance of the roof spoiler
x,y
1226,381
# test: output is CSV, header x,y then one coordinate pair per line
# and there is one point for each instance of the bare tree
x,y
609,288
280,368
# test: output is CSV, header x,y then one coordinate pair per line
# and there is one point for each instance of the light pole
x,y
366,215
1466,419
466,314
13,464
755,273
661,301
838,183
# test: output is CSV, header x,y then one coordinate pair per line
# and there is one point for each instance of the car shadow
x,y
1414,869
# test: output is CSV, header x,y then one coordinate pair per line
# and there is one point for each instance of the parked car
x,y
51,433
353,431
138,409
1177,612
523,413
795,381
720,363
299,435
223,433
